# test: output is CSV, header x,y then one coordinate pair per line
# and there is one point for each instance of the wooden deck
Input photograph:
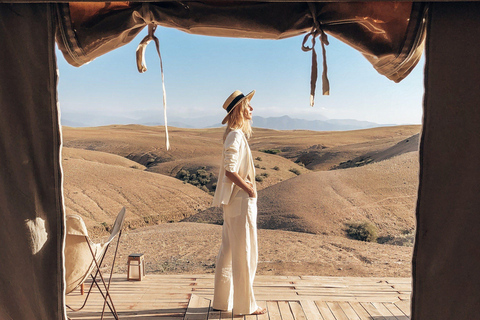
x,y
176,297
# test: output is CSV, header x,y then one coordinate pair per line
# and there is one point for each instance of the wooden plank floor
x,y
177,297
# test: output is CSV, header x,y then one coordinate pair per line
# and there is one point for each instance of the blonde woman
x,y
236,193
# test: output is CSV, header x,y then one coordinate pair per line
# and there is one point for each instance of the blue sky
x,y
201,71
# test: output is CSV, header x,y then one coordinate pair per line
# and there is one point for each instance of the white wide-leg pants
x,y
237,260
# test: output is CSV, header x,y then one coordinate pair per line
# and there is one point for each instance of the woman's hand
x,y
246,186
251,191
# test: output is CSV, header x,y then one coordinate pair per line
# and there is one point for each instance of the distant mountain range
x,y
277,123
287,123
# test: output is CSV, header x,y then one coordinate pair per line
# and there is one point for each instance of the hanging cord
x,y
142,67
317,30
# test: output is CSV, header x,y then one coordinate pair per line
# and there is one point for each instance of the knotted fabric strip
x,y
142,67
316,31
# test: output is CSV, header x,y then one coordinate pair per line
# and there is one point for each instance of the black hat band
x,y
234,102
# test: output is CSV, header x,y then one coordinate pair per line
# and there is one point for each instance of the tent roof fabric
x,y
388,34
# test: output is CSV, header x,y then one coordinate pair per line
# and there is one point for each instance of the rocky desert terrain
x,y
312,187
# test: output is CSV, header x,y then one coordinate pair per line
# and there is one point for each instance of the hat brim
x,y
248,96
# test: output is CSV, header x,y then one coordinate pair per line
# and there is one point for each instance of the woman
x,y
236,193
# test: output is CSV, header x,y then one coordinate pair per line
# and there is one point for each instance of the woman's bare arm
x,y
248,187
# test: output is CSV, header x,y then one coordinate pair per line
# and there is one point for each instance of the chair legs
x,y
106,286
107,299
110,280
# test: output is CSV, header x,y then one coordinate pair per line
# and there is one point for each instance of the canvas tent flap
x,y
446,260
31,209
388,34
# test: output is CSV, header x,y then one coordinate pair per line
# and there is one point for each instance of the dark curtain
x,y
446,260
31,211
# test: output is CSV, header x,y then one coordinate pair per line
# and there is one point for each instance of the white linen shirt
x,y
236,157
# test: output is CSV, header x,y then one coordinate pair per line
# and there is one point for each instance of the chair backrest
x,y
117,226
78,257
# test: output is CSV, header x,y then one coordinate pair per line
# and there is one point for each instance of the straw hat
x,y
233,100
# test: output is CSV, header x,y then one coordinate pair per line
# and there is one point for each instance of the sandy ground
x,y
97,185
192,247
102,178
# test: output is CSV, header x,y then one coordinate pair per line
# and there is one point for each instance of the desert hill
x,y
271,168
410,144
146,145
299,140
327,150
99,157
383,193
323,202
97,185
190,149
313,202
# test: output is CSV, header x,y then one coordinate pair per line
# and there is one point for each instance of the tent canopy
x,y
389,34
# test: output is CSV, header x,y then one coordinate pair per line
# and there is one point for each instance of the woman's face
x,y
248,111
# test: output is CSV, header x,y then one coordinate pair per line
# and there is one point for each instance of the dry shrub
x,y
270,151
363,231
198,177
295,170
406,239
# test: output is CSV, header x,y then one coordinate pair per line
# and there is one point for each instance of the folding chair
x,y
83,258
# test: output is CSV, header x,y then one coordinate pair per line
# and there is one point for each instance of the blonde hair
x,y
236,120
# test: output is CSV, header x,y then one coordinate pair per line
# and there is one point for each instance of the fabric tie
x,y
142,67
316,31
